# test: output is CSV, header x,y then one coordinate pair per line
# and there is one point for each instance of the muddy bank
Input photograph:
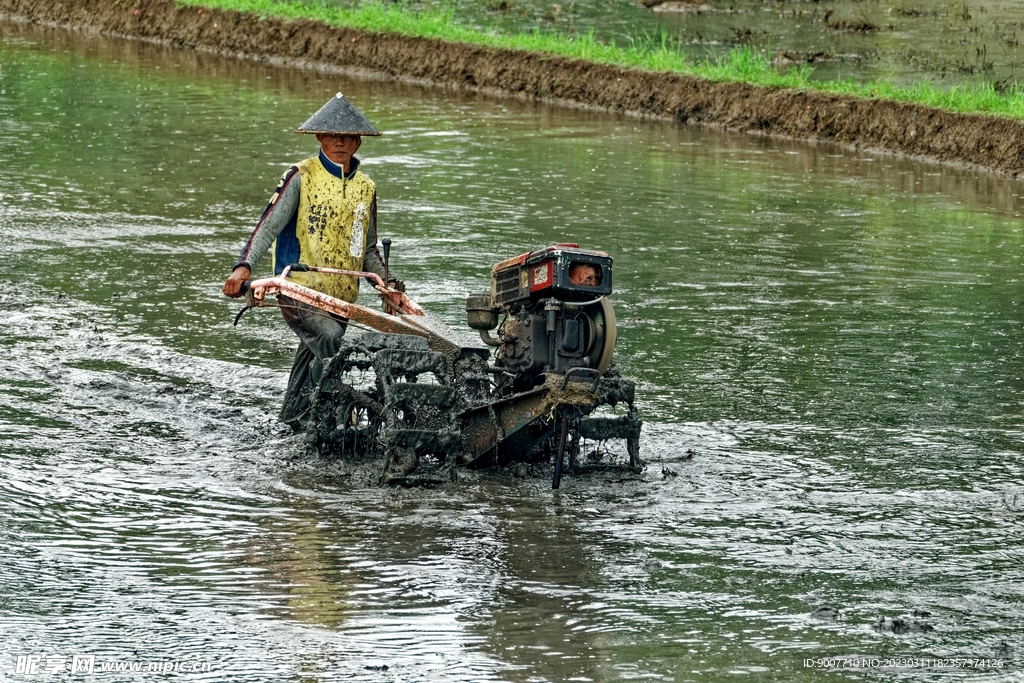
x,y
971,140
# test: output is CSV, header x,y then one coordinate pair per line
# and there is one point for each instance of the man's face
x,y
339,148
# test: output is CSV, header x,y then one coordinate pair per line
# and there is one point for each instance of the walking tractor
x,y
540,385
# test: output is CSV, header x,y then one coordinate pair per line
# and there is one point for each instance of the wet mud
x,y
973,141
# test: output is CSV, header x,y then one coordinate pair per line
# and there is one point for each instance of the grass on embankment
x,y
743,65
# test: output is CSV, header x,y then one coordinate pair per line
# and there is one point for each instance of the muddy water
x,y
827,347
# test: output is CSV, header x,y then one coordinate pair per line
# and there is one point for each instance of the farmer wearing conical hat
x,y
323,213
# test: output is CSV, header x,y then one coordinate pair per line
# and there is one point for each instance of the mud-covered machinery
x,y
542,388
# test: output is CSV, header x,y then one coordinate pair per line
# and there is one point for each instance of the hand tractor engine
x,y
556,317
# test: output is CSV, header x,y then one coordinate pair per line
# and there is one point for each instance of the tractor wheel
x,y
345,416
420,434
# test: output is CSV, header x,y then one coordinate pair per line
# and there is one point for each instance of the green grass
x,y
651,53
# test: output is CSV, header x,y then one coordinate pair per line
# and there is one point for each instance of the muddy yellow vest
x,y
331,225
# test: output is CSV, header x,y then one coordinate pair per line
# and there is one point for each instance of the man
x,y
324,214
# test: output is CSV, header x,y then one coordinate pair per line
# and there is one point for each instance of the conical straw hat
x,y
338,117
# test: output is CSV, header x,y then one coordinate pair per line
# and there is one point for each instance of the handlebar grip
x,y
244,287
299,268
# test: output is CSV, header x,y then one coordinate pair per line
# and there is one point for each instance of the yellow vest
x,y
331,226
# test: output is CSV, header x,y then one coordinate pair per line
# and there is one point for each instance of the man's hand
x,y
233,286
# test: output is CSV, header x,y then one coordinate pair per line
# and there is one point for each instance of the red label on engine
x,y
540,276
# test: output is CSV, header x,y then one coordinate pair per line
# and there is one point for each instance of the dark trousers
x,y
320,334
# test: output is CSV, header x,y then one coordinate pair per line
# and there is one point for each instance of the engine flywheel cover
x,y
602,324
